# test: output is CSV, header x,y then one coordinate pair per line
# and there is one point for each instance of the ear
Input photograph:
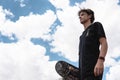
x,y
90,16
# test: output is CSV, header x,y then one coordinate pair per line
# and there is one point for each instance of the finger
x,y
101,71
97,72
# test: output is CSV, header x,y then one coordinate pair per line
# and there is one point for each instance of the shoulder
x,y
97,23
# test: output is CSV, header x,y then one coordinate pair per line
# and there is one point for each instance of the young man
x,y
92,47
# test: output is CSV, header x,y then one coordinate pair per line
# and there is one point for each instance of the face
x,y
84,17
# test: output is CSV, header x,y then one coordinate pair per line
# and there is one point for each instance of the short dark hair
x,y
89,12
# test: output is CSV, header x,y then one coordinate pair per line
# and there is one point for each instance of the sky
x,y
35,34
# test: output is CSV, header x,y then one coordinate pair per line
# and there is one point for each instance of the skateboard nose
x,y
59,66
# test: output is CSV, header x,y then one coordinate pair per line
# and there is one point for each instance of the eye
x,y
82,14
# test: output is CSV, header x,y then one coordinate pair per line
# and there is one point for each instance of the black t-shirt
x,y
89,47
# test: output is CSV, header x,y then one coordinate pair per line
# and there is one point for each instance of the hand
x,y
99,67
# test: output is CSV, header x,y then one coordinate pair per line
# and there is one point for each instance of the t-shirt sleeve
x,y
100,30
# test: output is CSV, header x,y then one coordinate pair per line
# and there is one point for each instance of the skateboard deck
x,y
67,71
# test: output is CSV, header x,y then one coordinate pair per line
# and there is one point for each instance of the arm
x,y
99,67
104,47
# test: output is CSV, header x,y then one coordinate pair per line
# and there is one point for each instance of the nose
x,y
79,17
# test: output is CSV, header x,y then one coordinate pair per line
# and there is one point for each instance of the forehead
x,y
81,13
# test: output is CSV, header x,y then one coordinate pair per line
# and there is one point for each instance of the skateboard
x,y
67,71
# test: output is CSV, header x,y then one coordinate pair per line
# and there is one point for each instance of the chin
x,y
82,22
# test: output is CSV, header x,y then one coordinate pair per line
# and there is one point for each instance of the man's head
x,y
86,14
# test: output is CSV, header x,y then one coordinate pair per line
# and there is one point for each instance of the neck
x,y
87,24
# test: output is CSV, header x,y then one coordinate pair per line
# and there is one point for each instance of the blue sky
x,y
34,34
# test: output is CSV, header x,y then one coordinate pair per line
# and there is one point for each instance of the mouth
x,y
81,20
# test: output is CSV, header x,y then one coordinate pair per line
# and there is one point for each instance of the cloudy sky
x,y
34,34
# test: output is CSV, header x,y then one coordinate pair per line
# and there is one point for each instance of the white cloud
x,y
60,3
29,26
8,13
114,72
21,3
66,37
2,16
24,60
